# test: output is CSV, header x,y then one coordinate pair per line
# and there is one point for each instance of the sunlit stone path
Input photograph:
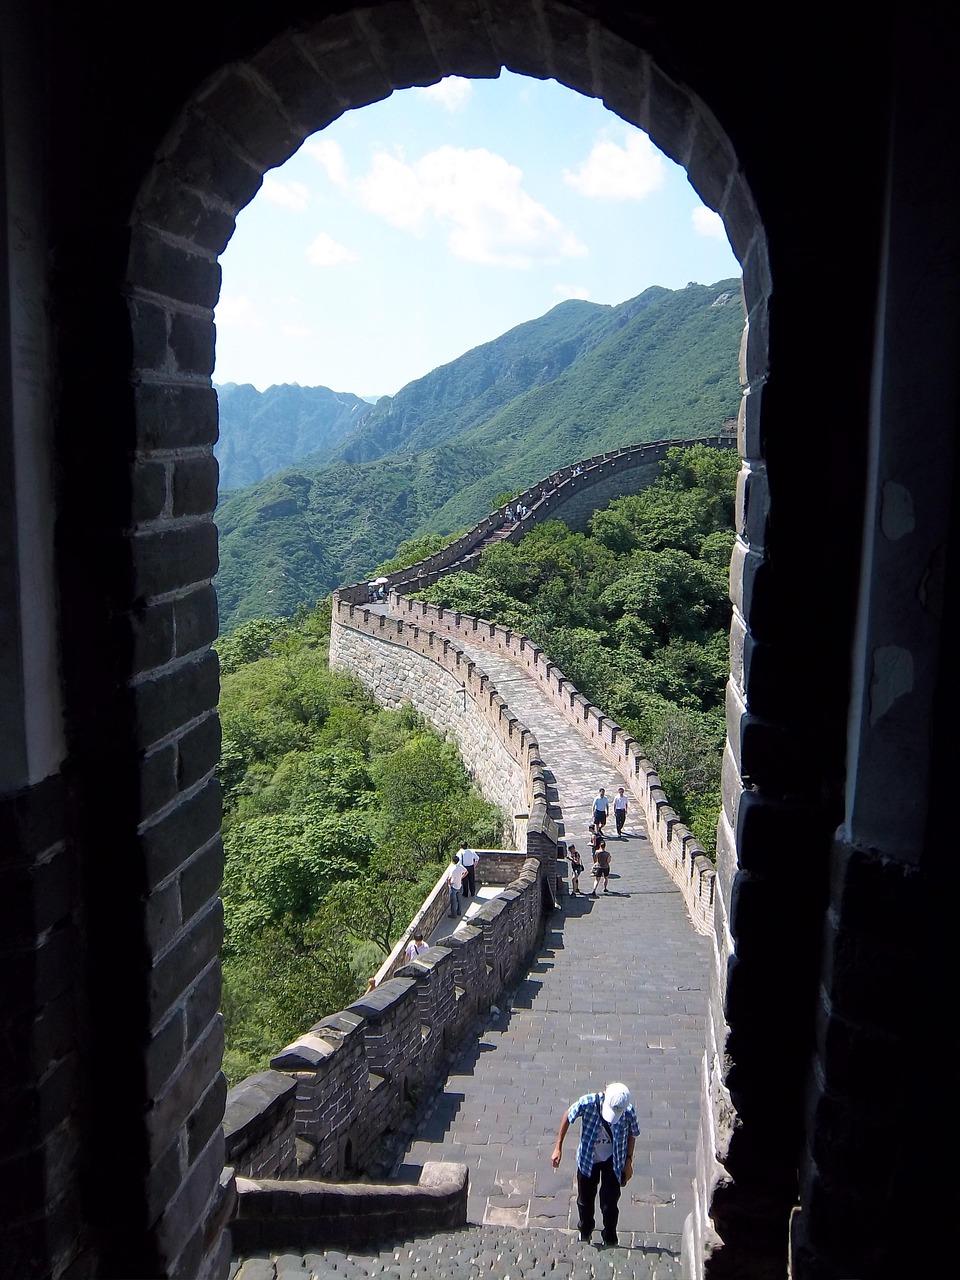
x,y
618,992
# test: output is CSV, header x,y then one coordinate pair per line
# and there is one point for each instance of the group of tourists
x,y
462,878
600,854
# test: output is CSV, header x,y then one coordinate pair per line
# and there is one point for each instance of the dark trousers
x,y
603,1176
469,886
620,817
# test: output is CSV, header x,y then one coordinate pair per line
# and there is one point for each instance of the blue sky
x,y
411,230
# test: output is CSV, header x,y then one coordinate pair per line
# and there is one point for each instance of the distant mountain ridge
x,y
579,380
265,431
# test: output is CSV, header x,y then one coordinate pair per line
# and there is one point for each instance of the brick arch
x,y
250,116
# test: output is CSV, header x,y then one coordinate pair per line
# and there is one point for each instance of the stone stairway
x,y
476,1253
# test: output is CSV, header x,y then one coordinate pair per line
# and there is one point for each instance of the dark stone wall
x,y
142,151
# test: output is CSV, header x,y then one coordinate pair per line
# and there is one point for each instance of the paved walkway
x,y
619,992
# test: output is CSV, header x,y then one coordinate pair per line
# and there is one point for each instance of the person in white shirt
x,y
415,947
620,811
454,880
601,807
468,860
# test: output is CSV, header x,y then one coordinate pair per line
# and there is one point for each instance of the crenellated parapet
x,y
330,1098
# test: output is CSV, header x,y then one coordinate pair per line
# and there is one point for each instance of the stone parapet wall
x,y
272,1215
571,494
400,663
674,844
348,1081
259,1128
496,866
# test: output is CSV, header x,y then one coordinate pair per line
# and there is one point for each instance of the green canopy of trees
x,y
338,818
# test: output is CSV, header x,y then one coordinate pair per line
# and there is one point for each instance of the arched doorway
x,y
251,116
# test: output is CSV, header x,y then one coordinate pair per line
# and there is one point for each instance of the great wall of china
x,y
298,1133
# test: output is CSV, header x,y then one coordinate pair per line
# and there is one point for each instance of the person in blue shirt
x,y
608,1136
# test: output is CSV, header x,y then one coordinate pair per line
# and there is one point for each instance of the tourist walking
x,y
601,807
608,1135
620,811
576,866
415,947
454,881
468,860
601,868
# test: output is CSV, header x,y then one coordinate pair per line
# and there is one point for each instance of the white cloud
x,y
324,251
237,312
453,92
614,172
477,197
288,195
571,291
707,223
330,158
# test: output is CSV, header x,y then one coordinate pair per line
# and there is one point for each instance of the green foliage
x,y
338,818
454,445
413,549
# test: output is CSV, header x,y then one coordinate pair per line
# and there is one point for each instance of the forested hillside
x,y
636,613
579,380
262,432
338,817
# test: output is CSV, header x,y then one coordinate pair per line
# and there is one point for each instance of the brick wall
x,y
346,1083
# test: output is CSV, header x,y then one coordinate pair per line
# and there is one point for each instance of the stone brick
x,y
179,211
200,878
195,485
169,842
175,417
198,751
306,96
193,1199
354,72
401,45
460,42
195,619
167,268
164,1051
192,344
203,1002
207,161
173,698
185,961
516,45
252,118
34,898
184,1092
171,559
150,327
162,917
158,779
31,820
35,975
149,488
150,629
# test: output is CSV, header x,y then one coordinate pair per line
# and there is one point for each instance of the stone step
x,y
475,1253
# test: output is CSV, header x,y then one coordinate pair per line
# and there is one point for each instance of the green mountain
x,y
582,379
264,431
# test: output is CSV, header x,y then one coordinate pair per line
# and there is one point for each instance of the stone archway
x,y
250,116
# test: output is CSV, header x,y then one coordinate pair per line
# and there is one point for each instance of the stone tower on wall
x,y
830,149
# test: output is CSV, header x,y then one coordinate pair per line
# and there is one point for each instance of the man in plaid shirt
x,y
608,1135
